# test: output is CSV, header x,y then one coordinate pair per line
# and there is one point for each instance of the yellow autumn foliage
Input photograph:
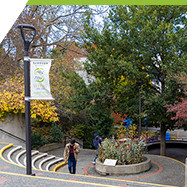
x,y
124,81
123,132
12,102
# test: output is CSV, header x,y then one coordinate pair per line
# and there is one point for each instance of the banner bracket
x,y
27,99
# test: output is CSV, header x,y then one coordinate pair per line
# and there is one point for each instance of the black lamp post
x,y
140,109
24,28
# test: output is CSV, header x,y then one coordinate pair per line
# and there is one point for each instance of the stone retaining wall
x,y
13,124
12,130
50,147
122,169
53,146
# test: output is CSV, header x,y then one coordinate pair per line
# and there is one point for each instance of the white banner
x,y
39,79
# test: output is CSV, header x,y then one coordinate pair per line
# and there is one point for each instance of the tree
x,y
92,102
179,109
64,64
140,46
55,26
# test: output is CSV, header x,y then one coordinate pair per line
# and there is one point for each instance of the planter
x,y
123,169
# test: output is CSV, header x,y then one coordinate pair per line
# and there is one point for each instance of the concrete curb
x,y
58,166
123,169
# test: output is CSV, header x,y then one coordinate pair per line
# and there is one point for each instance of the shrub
x,y
150,136
37,140
85,133
55,134
123,132
129,152
12,102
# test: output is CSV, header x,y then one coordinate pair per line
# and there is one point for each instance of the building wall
x,y
15,125
82,73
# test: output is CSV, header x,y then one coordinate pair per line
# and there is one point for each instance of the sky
x,y
9,12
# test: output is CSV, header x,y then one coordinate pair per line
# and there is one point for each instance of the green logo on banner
x,y
39,74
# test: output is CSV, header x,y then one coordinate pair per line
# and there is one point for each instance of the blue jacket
x,y
97,142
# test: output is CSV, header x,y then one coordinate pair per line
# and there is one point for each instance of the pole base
x,y
32,174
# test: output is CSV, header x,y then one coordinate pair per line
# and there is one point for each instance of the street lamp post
x,y
26,42
140,109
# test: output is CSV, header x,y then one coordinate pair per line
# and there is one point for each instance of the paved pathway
x,y
172,152
160,173
164,172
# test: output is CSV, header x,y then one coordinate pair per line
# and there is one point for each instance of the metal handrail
x,y
181,141
12,135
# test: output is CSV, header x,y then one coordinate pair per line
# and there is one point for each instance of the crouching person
x,y
70,154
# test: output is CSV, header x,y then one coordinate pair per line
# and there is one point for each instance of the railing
x,y
172,141
180,139
12,135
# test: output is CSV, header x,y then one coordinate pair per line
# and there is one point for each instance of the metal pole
x,y
27,94
140,111
27,112
146,138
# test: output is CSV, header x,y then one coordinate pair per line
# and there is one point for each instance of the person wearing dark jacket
x,y
97,142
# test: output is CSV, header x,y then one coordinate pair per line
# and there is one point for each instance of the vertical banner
x,y
39,79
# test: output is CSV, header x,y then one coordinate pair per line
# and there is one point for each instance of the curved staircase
x,y
41,161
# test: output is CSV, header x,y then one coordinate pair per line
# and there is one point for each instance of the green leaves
x,y
140,43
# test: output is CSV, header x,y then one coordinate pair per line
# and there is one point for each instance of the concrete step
x,y
41,161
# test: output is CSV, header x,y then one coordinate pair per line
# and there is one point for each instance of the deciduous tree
x,y
140,46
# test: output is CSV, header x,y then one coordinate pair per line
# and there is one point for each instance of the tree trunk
x,y
162,140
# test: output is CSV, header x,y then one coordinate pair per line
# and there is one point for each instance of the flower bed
x,y
128,153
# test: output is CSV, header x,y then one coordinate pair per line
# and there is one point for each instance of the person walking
x,y
97,142
70,154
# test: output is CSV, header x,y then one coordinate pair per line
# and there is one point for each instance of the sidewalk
x,y
164,172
